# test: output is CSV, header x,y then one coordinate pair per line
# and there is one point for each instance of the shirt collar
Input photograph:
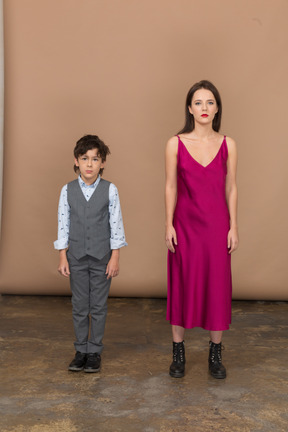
x,y
93,185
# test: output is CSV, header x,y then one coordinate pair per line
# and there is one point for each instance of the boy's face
x,y
89,165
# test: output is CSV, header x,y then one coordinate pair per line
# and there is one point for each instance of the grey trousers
x,y
90,289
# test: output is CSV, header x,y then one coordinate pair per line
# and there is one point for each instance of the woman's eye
x,y
197,103
211,103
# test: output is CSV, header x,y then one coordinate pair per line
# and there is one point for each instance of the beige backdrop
x,y
1,103
121,69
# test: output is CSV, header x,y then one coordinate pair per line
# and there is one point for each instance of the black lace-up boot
x,y
216,368
177,367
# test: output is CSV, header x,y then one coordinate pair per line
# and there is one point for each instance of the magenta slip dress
x,y
199,272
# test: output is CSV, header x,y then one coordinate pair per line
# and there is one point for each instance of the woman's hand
x,y
171,238
232,240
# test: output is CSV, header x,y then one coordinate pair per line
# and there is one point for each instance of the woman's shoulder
x,y
172,143
173,140
230,141
231,144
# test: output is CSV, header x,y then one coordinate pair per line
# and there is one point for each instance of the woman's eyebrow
x,y
200,100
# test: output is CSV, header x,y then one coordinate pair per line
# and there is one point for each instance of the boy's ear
x,y
103,164
76,162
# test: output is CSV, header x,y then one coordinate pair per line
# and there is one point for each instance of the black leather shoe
x,y
93,363
216,368
78,362
177,367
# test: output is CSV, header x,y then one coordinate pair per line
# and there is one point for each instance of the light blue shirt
x,y
117,236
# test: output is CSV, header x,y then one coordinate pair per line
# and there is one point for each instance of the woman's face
x,y
203,106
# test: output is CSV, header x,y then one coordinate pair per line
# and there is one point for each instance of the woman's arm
x,y
171,191
231,195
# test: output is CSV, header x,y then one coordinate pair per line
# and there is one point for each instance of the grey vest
x,y
89,232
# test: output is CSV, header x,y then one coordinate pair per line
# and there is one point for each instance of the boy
x,y
90,234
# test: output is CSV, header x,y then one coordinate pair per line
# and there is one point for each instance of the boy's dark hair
x,y
90,142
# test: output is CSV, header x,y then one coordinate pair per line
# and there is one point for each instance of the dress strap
x,y
225,147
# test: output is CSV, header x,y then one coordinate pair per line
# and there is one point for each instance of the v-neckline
x,y
83,194
203,166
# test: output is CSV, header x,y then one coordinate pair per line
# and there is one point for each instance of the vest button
x,y
88,238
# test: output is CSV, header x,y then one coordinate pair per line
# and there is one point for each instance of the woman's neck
x,y
203,131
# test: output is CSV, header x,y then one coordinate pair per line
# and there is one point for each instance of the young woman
x,y
201,226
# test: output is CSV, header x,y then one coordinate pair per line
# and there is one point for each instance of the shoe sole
x,y
74,369
91,370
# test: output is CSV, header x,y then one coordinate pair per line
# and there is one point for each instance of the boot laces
x,y
181,354
178,351
216,354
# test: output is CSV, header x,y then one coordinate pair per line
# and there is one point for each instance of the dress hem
x,y
199,326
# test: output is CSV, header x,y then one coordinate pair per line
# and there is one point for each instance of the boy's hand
x,y
63,267
112,269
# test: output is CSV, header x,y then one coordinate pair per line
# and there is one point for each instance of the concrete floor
x,y
133,392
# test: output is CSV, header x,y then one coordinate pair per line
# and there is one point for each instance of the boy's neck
x,y
89,183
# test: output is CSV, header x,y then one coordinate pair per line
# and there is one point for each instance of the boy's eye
x,y
95,160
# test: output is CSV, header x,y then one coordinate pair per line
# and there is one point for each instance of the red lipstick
x,y
204,115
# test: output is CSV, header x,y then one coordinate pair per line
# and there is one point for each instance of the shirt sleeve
x,y
117,236
63,221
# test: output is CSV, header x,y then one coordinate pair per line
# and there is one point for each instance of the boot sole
x,y
176,375
217,376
